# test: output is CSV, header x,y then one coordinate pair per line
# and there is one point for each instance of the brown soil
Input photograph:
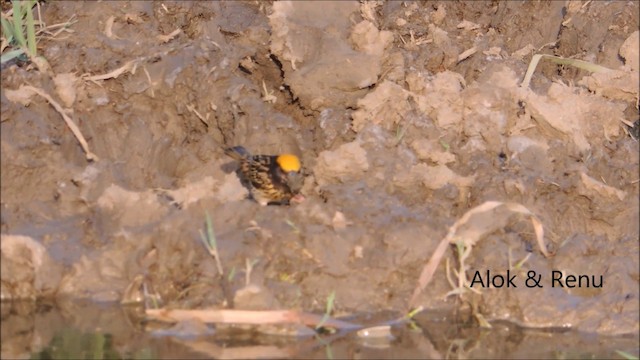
x,y
398,138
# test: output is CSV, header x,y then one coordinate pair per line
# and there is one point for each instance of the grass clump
x,y
328,309
19,31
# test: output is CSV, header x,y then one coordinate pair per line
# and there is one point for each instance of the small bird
x,y
271,179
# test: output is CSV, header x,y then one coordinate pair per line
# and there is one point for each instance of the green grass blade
x,y
232,274
31,29
328,309
328,352
580,64
211,235
209,239
532,67
626,355
414,312
330,301
7,29
17,24
10,55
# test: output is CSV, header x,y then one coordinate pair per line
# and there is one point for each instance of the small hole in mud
x,y
244,69
278,64
521,108
528,247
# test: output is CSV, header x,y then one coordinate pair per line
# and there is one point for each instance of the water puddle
x,y
75,330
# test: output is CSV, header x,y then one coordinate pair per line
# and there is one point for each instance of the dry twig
x,y
70,123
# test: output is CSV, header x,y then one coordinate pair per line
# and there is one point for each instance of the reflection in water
x,y
72,330
70,343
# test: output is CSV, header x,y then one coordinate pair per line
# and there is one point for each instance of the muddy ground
x,y
401,131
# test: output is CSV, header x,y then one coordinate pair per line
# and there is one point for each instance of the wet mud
x,y
405,115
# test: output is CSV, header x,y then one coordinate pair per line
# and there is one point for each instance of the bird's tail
x,y
237,152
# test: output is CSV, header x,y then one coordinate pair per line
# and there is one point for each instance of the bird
x,y
271,179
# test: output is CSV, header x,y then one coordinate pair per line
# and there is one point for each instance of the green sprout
x,y
293,226
232,274
445,145
209,241
520,263
409,319
328,309
400,132
414,312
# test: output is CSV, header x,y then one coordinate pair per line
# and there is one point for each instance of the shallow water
x,y
82,330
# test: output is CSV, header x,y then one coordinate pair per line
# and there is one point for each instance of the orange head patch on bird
x,y
289,162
